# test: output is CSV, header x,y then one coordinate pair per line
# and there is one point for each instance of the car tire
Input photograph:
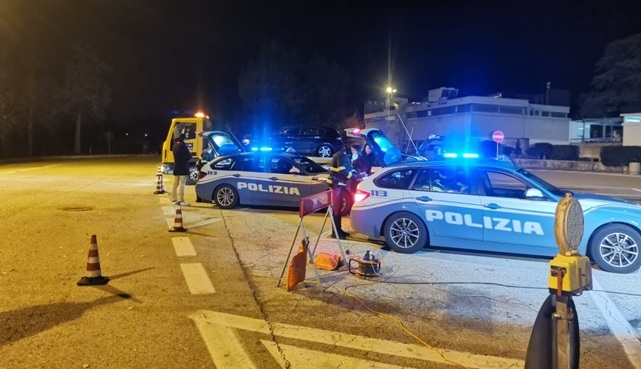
x,y
324,151
225,197
405,233
615,248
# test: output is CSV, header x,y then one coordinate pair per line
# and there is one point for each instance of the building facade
x,y
631,129
473,119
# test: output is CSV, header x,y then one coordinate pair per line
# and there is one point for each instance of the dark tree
x,y
85,93
617,83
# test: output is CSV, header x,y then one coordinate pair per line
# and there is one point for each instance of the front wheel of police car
x,y
615,248
405,233
226,197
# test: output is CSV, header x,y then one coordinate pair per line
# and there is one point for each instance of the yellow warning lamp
x,y
201,115
570,272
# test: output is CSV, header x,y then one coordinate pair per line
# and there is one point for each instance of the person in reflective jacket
x,y
340,172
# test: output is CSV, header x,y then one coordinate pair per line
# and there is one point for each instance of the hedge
x,y
620,156
565,152
540,150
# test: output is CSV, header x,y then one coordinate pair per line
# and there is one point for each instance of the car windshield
x,y
221,140
308,165
382,141
548,187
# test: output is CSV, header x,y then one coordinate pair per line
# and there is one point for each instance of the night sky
x,y
186,54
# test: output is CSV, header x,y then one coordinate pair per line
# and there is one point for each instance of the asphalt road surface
x,y
208,298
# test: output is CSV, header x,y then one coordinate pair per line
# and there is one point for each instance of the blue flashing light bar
x,y
254,148
465,155
450,155
265,149
471,156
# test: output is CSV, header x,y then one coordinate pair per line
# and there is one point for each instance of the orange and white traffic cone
x,y
94,275
178,221
160,186
159,171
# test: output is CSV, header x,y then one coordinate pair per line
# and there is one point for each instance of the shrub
x,y
541,150
565,152
619,156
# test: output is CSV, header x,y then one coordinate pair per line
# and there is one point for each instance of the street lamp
x,y
390,94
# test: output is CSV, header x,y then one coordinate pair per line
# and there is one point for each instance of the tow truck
x,y
203,143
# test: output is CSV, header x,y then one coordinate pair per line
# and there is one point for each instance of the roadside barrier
x,y
178,220
94,275
160,185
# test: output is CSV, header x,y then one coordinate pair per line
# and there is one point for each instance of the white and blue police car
x,y
486,205
260,178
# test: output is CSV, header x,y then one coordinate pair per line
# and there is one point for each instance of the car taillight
x,y
360,195
202,175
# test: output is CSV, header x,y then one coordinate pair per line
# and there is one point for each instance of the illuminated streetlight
x,y
390,93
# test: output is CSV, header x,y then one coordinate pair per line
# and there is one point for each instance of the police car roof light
x,y
471,156
450,155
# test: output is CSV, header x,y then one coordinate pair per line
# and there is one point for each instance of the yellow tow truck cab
x,y
203,143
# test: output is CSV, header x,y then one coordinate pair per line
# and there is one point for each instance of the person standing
x,y
360,168
340,171
182,156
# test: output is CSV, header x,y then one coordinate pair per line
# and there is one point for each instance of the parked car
x,y
302,139
261,178
464,202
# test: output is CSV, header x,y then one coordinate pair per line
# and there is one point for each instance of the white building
x,y
473,119
631,129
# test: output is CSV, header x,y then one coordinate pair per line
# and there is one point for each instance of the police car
x,y
260,178
488,205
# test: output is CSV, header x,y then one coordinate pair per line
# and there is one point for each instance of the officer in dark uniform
x,y
340,171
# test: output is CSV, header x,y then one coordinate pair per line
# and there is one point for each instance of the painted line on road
x,y
197,279
300,358
169,211
28,169
618,324
635,189
204,223
210,322
183,246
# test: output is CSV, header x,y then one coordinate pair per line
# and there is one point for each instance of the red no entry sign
x,y
498,136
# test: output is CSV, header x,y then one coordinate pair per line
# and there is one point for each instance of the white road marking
x,y
169,211
224,346
635,189
211,320
204,223
197,279
618,324
28,169
300,358
170,222
183,246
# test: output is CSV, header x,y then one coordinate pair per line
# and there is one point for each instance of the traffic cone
x,y
159,171
160,185
178,221
94,276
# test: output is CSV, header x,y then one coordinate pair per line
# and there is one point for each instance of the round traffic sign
x,y
498,136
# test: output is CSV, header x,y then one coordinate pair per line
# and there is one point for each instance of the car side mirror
x,y
534,193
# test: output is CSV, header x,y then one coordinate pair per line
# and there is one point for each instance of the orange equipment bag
x,y
327,261
298,266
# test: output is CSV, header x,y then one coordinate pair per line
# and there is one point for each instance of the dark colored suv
x,y
306,140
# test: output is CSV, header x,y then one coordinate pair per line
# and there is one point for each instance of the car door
x,y
249,174
286,182
450,206
286,138
514,222
308,140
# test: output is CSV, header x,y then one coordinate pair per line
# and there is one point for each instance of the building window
x,y
485,108
512,110
558,115
411,115
421,113
545,113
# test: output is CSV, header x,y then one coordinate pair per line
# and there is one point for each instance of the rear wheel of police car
x,y
405,233
225,197
324,151
615,248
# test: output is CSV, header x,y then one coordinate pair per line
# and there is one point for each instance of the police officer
x,y
340,171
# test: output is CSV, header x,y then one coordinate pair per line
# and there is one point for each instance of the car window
x,y
399,179
291,131
224,164
308,165
309,131
282,165
499,184
323,132
248,164
450,180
